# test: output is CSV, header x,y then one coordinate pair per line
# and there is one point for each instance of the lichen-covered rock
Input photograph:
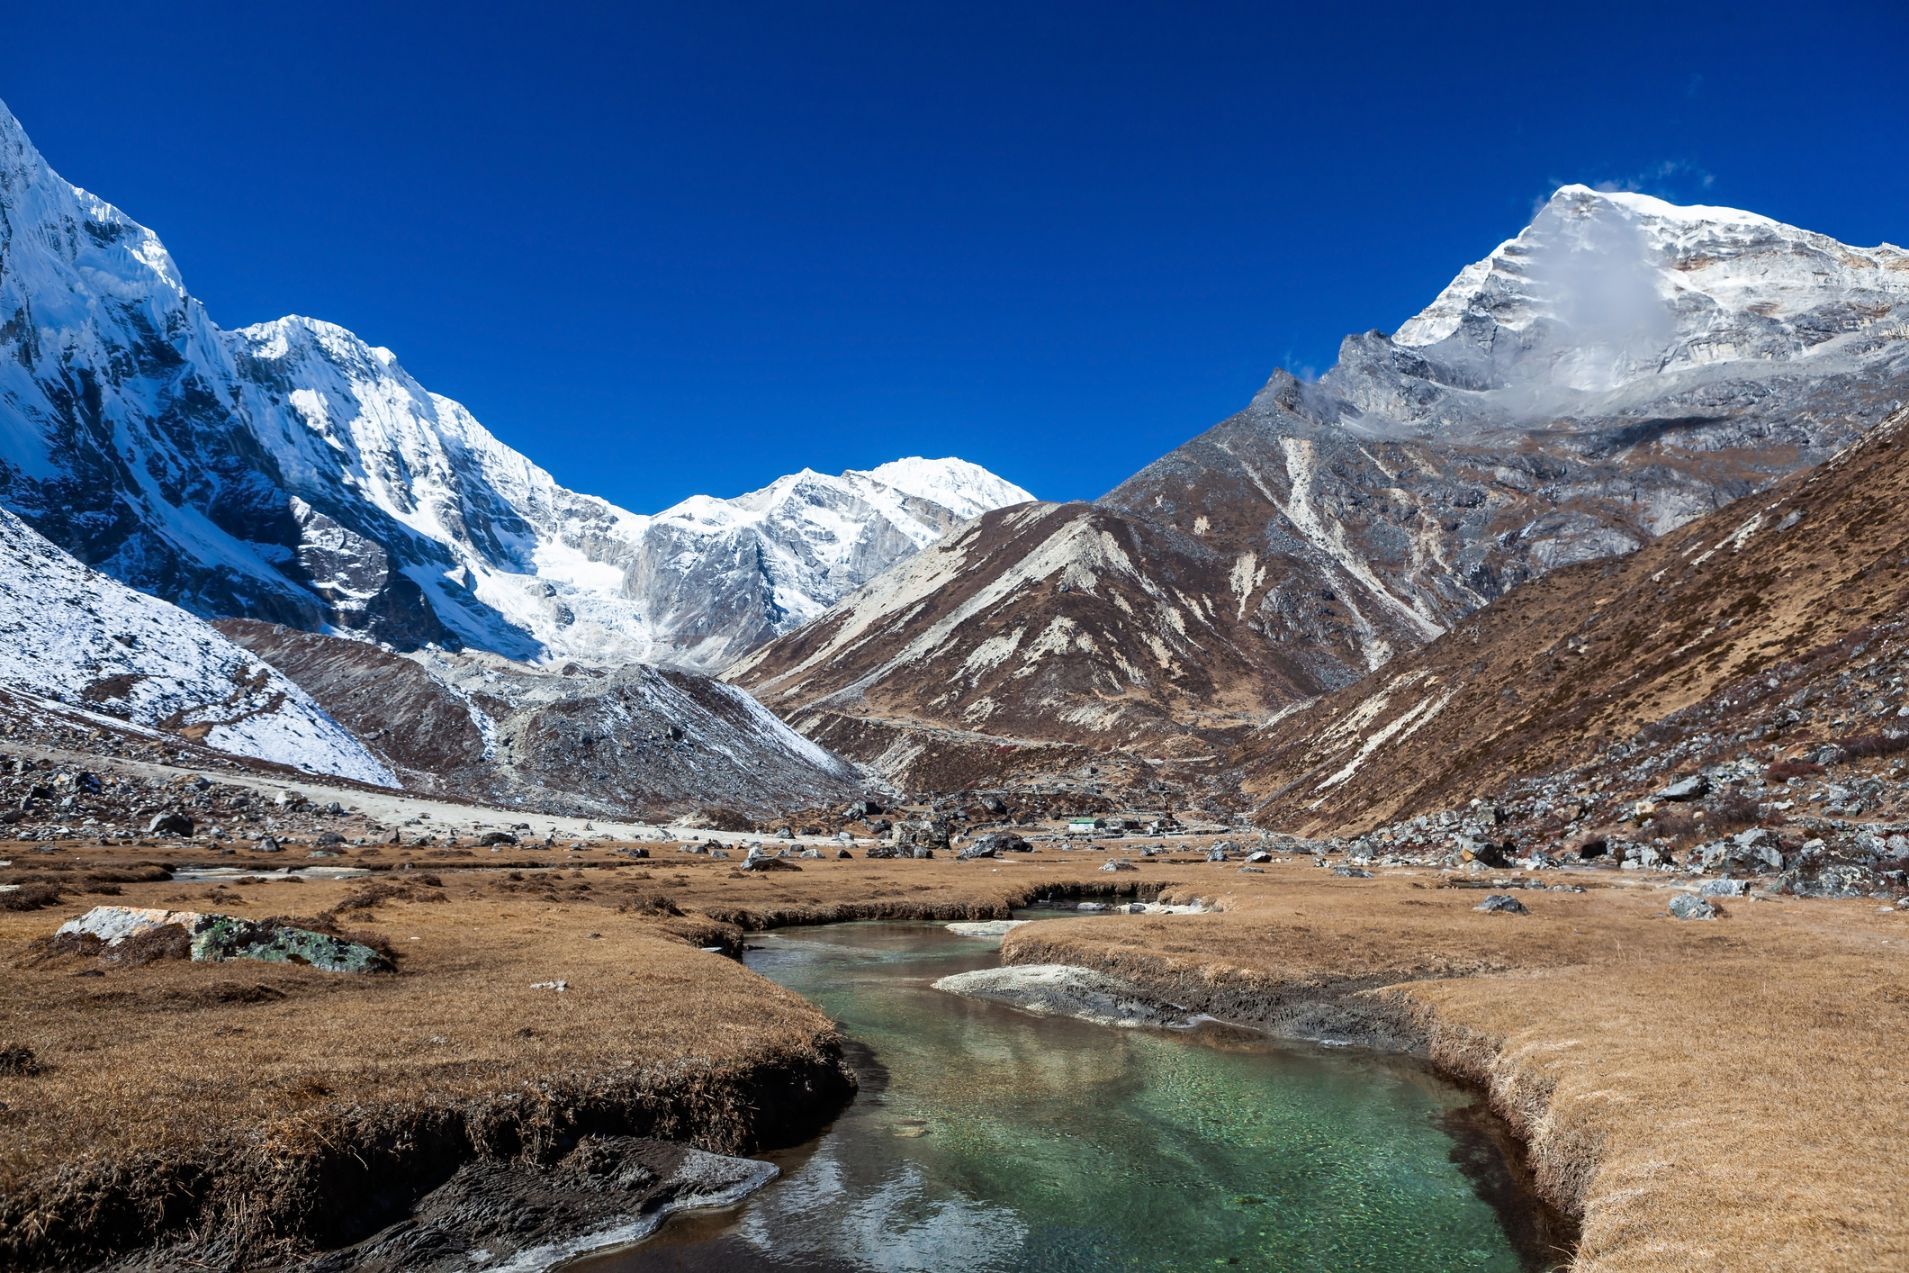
x,y
223,937
216,938
1690,906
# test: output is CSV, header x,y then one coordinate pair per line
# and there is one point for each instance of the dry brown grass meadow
x,y
1717,1095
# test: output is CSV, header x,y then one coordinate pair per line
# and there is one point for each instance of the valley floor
x,y
1720,1094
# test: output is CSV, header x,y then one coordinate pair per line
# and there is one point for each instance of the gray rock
x,y
1118,864
1723,888
1005,842
1694,787
1842,879
1690,906
171,822
1502,904
1063,990
986,927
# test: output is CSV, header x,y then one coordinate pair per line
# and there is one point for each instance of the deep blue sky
x,y
688,247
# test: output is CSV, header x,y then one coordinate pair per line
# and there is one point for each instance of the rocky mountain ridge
x,y
1621,367
292,472
631,741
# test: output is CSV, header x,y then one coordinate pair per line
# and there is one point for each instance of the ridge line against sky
x,y
666,253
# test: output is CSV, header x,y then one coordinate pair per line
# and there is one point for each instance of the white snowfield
x,y
355,481
71,635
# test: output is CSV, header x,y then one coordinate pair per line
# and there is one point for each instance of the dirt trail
x,y
393,807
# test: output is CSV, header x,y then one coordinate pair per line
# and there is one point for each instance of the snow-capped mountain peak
x,y
1605,287
966,489
293,472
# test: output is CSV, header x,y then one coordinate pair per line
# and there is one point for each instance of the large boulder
x,y
171,822
924,833
764,862
1695,787
1690,906
217,938
1755,850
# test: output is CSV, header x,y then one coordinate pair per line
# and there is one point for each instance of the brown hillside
x,y
1755,601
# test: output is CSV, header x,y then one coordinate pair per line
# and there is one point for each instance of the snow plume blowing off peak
x,y
1605,290
1601,283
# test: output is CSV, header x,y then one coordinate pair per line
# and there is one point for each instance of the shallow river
x,y
986,1139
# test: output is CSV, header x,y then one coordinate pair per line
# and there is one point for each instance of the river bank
x,y
258,1114
998,1141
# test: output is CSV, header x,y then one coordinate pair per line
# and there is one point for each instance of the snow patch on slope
x,y
71,635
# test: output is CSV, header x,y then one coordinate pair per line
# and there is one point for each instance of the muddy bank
x,y
523,1217
337,1180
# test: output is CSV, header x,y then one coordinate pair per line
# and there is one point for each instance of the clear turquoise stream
x,y
985,1139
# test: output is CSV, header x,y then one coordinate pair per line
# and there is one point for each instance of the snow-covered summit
x,y
965,489
291,471
1603,288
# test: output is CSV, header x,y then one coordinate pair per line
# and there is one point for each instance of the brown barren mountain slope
x,y
1034,627
1586,657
